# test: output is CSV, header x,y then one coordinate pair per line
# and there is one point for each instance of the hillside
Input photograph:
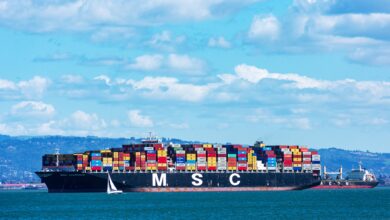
x,y
20,156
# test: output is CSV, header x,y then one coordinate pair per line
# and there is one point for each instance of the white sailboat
x,y
111,189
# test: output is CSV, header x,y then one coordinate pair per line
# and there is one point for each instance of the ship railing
x,y
186,171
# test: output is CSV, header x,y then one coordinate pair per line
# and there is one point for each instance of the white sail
x,y
111,189
112,186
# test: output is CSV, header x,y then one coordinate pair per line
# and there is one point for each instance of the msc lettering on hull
x,y
197,179
162,181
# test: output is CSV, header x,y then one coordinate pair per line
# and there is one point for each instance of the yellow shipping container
x,y
207,145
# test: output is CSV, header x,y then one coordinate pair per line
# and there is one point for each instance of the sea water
x,y
306,204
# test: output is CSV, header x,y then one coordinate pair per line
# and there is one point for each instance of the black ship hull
x,y
177,182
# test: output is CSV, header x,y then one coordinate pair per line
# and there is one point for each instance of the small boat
x,y
111,189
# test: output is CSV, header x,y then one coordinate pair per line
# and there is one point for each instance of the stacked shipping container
x,y
195,157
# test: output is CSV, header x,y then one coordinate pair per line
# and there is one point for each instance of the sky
x,y
307,72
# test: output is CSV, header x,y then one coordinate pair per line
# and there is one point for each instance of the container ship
x,y
355,179
152,166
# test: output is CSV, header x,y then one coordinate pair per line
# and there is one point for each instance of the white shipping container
x,y
316,157
306,159
306,153
180,152
287,168
180,164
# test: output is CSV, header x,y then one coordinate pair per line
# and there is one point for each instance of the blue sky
x,y
308,72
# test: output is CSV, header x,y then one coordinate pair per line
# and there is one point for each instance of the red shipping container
x,y
162,160
157,145
201,167
213,168
96,168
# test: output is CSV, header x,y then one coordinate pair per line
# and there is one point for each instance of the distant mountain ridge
x,y
21,156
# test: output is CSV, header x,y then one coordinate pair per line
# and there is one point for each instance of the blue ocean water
x,y
306,204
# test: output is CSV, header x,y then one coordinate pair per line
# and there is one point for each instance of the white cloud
x,y
170,88
264,27
113,33
376,56
180,63
219,42
84,121
32,109
332,26
268,117
81,15
372,25
186,63
158,88
13,129
34,88
377,121
227,78
72,79
104,78
253,74
7,85
165,41
139,120
49,128
147,62
31,89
